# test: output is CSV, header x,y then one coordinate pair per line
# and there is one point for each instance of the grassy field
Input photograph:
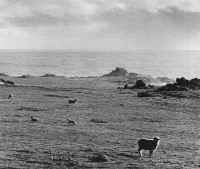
x,y
52,143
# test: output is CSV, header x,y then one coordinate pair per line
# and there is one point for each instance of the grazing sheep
x,y
72,101
71,122
7,82
148,144
33,119
10,96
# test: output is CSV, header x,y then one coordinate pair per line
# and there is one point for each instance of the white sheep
x,y
71,122
148,144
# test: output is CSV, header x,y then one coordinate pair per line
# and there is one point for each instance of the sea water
x,y
82,63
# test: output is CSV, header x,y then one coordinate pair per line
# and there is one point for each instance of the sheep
x,y
33,119
148,144
71,122
72,101
10,96
7,82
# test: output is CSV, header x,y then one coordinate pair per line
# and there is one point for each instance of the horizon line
x,y
98,50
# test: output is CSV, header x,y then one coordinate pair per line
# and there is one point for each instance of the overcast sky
x,y
100,24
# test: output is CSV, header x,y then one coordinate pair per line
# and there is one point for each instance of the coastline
x,y
119,75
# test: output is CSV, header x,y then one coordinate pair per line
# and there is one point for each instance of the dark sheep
x,y
71,122
72,101
34,119
9,82
10,96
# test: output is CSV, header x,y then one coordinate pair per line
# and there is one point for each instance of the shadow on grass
x,y
128,155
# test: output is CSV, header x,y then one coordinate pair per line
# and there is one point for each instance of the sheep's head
x,y
156,139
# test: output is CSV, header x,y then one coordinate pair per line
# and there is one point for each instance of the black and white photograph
x,y
111,84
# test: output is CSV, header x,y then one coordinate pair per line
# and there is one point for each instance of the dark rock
x,y
99,158
178,89
117,72
182,82
49,75
125,86
172,87
144,94
119,87
150,86
195,80
98,121
139,85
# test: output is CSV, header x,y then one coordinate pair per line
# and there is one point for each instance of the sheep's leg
x,y
150,153
140,152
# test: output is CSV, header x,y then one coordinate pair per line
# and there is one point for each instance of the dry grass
x,y
51,143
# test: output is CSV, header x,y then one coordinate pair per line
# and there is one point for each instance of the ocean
x,y
81,63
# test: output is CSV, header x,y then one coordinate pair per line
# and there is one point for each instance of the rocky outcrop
x,y
117,73
99,158
139,84
123,75
180,89
172,87
181,84
49,75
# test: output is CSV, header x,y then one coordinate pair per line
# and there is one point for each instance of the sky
x,y
100,24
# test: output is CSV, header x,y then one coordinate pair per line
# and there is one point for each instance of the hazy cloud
x,y
131,24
